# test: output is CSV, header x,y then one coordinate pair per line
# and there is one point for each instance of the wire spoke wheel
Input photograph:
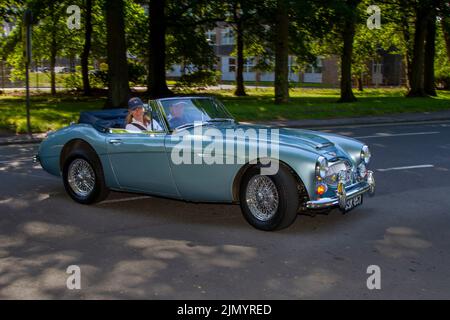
x,y
81,177
262,197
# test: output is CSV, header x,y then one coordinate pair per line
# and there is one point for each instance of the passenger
x,y
136,120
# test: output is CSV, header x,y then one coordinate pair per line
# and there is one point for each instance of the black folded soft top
x,y
104,119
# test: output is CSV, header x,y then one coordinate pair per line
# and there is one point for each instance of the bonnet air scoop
x,y
324,145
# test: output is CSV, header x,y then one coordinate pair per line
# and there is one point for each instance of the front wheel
x,y
83,177
269,202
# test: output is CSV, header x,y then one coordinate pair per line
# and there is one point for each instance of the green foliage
x,y
442,61
199,78
137,74
97,79
136,28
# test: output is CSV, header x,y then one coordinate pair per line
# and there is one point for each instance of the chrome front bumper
x,y
340,199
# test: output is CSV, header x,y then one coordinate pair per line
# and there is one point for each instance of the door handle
x,y
115,141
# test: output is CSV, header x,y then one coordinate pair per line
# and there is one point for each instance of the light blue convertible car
x,y
202,154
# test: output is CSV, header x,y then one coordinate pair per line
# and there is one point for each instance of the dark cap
x,y
135,103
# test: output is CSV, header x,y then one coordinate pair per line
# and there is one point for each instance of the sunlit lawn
x,y
49,112
46,112
322,103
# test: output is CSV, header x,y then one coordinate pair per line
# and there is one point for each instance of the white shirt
x,y
132,128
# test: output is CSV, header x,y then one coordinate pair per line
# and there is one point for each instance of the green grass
x,y
49,112
270,84
42,79
322,104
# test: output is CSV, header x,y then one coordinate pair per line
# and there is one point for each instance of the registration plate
x,y
353,202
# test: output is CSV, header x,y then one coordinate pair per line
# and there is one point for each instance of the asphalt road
x,y
132,246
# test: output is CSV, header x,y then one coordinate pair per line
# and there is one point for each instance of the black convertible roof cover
x,y
104,119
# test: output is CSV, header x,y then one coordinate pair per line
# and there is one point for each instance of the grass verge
x,y
48,112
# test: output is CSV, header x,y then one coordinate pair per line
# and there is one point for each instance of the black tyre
x,y
269,202
83,177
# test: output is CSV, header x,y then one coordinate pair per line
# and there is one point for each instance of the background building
x,y
388,70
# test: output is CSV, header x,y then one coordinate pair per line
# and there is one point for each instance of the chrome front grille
x,y
335,168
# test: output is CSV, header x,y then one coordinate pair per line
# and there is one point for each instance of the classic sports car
x,y
204,155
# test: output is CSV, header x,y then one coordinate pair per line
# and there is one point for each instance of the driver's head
x,y
177,109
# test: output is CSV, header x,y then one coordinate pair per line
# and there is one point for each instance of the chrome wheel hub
x,y
262,197
81,177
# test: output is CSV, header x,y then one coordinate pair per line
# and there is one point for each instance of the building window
x,y
292,64
317,68
231,65
227,36
249,65
211,37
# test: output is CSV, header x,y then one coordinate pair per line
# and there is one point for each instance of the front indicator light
x,y
321,189
340,188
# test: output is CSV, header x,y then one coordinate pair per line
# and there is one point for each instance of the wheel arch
x,y
238,179
73,144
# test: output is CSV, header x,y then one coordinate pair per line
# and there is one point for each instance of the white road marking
x,y
407,168
384,135
125,199
383,124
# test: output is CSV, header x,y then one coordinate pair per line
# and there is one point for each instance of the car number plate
x,y
353,202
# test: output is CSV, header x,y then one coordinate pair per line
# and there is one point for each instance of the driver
x,y
136,119
177,114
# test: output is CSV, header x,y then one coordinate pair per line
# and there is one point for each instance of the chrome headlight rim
x,y
321,167
362,170
365,154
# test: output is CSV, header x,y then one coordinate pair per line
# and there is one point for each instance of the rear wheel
x,y
83,177
269,202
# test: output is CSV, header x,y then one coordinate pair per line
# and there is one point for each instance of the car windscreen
x,y
183,111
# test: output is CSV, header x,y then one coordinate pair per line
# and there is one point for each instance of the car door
x,y
140,162
200,181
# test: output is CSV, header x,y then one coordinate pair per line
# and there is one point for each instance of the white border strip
x,y
407,168
384,135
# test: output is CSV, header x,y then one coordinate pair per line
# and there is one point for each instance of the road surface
x,y
134,246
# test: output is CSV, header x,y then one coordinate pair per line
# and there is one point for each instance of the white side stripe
x,y
406,168
384,135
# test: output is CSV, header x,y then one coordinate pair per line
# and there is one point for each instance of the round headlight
x,y
365,154
362,170
321,167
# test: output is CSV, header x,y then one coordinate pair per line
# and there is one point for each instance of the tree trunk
x,y
86,49
281,53
418,59
407,39
118,90
156,80
348,34
240,89
53,50
430,50
360,84
52,67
